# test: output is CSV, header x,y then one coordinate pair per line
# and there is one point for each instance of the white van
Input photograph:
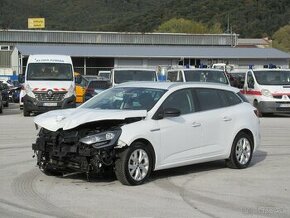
x,y
197,75
48,83
121,75
268,90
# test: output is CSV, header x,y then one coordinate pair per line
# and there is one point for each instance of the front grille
x,y
43,96
279,96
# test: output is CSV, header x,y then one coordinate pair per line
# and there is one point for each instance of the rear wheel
x,y
134,164
242,152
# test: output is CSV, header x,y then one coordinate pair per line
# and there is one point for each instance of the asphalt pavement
x,y
201,190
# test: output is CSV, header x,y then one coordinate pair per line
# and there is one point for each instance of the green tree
x,y
281,38
181,25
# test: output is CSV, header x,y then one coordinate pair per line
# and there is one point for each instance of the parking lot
x,y
202,190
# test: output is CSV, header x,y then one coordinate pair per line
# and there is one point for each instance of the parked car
x,y
4,93
95,87
237,77
137,128
268,90
197,75
121,75
1,102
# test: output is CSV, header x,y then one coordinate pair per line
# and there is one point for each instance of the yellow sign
x,y
36,23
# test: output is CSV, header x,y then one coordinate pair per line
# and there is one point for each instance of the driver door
x,y
180,135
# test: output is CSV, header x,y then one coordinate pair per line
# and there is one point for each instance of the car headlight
x,y
266,93
28,91
70,92
102,139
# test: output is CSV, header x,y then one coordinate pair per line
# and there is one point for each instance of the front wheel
x,y
242,152
134,164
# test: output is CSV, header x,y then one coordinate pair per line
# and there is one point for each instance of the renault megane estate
x,y
136,128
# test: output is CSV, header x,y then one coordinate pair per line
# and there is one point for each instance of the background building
x,y
95,51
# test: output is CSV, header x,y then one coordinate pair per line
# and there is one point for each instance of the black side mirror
x,y
171,112
167,112
21,78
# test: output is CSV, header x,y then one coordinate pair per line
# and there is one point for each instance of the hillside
x,y
249,18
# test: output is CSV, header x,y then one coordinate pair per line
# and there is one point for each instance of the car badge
x,y
50,93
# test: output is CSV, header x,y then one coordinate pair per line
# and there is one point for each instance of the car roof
x,y
197,69
270,69
135,68
178,85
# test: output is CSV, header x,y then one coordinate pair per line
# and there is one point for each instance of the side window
x,y
208,98
229,98
181,100
172,76
250,80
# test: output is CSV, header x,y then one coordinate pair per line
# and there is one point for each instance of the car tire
x,y
241,152
6,104
1,109
26,113
134,164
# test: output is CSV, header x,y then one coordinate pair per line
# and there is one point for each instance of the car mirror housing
x,y
171,112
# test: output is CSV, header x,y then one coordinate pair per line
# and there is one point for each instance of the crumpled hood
x,y
71,118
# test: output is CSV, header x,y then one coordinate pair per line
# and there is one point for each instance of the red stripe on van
x,y
251,92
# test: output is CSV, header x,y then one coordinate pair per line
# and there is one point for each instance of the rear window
x,y
99,85
242,97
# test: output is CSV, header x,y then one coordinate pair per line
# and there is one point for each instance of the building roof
x,y
13,37
151,51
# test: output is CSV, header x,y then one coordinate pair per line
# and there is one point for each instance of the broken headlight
x,y
102,139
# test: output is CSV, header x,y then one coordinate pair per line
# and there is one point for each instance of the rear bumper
x,y
33,105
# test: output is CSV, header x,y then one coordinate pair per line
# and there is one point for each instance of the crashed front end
x,y
85,149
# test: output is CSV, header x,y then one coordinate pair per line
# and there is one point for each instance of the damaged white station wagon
x,y
139,127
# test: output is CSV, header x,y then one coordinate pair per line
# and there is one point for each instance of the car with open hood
x,y
136,128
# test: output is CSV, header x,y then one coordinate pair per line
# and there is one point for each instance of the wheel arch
x,y
148,143
249,133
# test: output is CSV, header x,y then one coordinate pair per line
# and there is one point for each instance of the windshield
x,y
126,98
205,76
121,76
273,77
49,71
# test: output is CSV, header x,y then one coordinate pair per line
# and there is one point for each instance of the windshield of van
x,y
280,77
215,76
125,98
49,71
121,76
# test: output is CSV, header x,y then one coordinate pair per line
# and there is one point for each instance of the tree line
x,y
248,18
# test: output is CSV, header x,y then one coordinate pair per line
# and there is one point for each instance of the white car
x,y
140,127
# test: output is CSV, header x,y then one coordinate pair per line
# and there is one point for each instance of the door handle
x,y
195,124
227,119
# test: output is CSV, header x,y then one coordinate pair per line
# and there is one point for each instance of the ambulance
x,y
268,89
48,84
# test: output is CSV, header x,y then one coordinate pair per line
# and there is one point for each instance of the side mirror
x,y
21,78
167,112
171,112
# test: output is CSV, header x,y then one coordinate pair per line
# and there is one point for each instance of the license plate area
x,y
285,105
49,104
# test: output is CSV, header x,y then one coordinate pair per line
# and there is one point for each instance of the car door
x,y
218,119
180,135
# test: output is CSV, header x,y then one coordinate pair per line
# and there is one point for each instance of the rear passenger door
x,y
217,120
